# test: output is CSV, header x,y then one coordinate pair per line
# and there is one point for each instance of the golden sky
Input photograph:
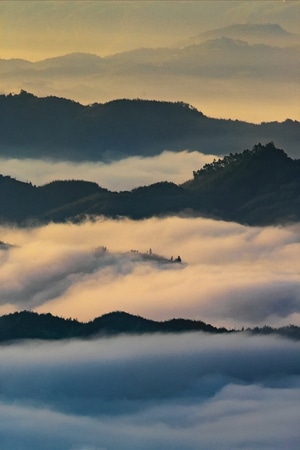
x,y
35,30
39,29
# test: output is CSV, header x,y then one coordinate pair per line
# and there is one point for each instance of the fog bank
x,y
175,391
230,275
122,175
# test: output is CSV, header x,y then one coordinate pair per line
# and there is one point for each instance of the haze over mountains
x,y
61,129
111,27
254,33
228,66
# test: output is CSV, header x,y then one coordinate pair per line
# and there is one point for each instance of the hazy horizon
x,y
246,83
109,27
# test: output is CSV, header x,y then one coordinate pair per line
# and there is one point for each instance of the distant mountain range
x,y
253,33
60,129
252,48
30,325
256,187
245,71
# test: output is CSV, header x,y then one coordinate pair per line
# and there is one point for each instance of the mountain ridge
x,y
60,129
255,187
221,79
254,32
31,325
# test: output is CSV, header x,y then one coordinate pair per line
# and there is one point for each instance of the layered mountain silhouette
x,y
256,187
30,325
245,71
60,129
254,33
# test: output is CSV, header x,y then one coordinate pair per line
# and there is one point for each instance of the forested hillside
x,y
61,129
30,325
256,187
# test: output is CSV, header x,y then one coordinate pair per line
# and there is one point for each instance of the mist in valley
x,y
231,274
151,392
237,60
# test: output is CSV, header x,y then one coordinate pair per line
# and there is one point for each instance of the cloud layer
x,y
232,275
151,392
118,176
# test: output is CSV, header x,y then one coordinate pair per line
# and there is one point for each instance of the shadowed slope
x,y
256,187
30,325
60,129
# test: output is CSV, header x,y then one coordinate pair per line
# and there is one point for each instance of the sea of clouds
x,y
185,391
152,392
231,274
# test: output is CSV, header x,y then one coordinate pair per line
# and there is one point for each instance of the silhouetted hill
x,y
21,201
62,129
256,187
30,325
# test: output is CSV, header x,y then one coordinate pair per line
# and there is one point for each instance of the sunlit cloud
x,y
231,274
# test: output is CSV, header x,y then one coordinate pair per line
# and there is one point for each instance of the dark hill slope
x,y
16,199
30,325
61,129
21,201
158,199
256,187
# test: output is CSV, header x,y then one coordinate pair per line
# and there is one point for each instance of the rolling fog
x,y
151,392
122,175
231,275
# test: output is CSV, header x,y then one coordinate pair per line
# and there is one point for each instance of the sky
x,y
250,82
38,30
